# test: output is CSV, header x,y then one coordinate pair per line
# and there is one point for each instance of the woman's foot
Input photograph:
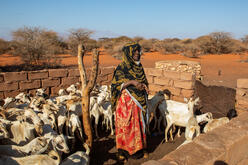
x,y
122,158
145,154
122,155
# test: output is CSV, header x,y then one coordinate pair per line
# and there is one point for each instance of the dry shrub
x,y
35,45
169,46
216,43
147,45
191,50
116,50
114,45
4,46
138,39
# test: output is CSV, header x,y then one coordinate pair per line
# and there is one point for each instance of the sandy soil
x,y
216,92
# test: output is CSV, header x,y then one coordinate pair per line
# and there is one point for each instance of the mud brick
x,y
37,75
242,100
161,81
178,98
50,83
184,84
11,93
154,72
30,85
187,93
160,162
187,76
212,144
15,76
190,154
242,92
155,88
1,78
173,90
58,72
234,139
67,81
242,83
73,73
172,75
110,77
55,90
107,70
8,86
150,79
2,95
243,162
101,79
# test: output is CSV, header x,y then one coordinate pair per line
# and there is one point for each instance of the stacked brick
x,y
12,83
226,144
242,95
180,84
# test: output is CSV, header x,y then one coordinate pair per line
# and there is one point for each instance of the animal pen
x,y
226,144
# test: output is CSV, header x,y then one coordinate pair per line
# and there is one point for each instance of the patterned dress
x,y
130,103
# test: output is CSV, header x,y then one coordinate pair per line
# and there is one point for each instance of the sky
x,y
113,18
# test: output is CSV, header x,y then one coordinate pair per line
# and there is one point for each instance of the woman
x,y
129,90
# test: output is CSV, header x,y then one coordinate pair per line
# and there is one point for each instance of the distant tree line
x,y
37,45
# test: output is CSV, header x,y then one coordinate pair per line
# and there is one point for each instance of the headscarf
x,y
129,70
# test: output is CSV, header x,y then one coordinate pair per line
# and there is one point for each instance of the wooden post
x,y
87,87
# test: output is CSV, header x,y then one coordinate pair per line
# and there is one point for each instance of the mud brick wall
x,y
242,95
224,145
180,84
12,83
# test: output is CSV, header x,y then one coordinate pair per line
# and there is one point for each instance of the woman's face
x,y
136,55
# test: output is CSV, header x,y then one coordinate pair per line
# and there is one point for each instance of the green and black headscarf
x,y
128,70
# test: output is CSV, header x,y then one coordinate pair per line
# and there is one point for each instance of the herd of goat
x,y
36,130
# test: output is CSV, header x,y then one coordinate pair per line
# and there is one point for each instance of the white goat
x,y
179,114
52,158
36,146
214,123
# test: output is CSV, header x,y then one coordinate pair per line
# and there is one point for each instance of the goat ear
x,y
197,100
70,137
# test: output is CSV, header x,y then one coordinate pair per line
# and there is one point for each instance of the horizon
x,y
148,19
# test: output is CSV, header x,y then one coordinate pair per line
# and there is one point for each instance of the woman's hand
x,y
140,86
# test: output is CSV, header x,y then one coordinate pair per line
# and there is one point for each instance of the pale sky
x,y
112,18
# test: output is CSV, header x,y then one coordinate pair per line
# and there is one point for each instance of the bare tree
x,y
221,42
78,36
87,87
34,44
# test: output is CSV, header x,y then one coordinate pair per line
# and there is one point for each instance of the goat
x,y
52,159
22,132
152,105
36,146
179,114
214,123
3,131
58,142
